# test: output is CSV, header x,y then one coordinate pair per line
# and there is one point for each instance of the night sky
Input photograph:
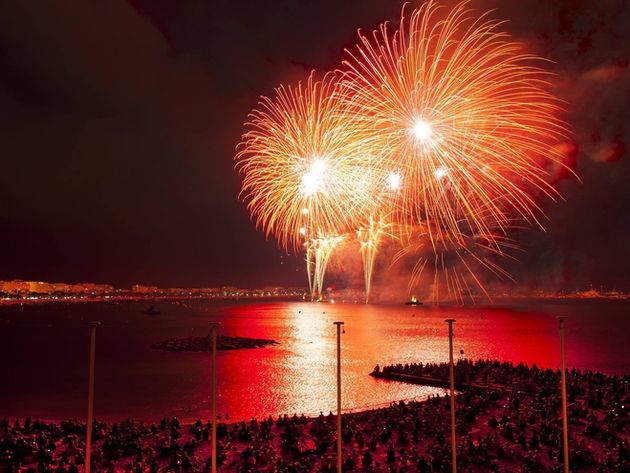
x,y
119,122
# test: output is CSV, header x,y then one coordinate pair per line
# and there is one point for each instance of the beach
x,y
512,429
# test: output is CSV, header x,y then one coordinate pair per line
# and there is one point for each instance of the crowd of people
x,y
515,428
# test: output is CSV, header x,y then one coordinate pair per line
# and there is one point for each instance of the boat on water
x,y
152,311
413,301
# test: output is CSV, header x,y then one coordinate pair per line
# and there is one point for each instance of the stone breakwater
x,y
224,342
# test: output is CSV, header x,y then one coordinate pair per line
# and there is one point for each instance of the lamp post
x,y
338,324
451,369
565,429
214,326
88,437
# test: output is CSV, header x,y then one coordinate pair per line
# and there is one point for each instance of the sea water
x,y
44,353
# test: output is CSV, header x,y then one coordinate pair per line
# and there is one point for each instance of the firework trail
x,y
318,253
370,237
456,262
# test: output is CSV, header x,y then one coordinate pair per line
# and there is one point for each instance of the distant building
x,y
77,288
297,291
228,290
273,291
16,287
98,288
38,287
177,291
144,289
61,287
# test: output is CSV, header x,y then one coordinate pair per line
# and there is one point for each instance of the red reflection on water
x,y
45,354
503,335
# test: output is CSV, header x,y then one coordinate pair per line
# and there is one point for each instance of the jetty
x,y
434,382
224,342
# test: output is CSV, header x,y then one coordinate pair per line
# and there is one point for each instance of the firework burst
x,y
303,177
442,129
462,115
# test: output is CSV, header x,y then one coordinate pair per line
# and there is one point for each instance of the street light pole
x,y
339,463
451,368
565,428
88,437
214,326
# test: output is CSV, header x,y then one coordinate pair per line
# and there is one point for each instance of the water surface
x,y
44,353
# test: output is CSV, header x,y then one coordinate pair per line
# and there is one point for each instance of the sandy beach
x,y
514,428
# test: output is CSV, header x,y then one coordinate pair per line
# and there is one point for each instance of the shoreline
x,y
497,430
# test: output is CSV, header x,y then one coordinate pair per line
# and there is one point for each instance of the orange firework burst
x,y
442,129
302,174
305,176
461,114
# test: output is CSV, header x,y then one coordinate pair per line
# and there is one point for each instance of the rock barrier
x,y
224,342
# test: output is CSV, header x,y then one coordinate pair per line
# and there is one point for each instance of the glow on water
x,y
44,353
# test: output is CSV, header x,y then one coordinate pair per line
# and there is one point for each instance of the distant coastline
x,y
157,298
143,298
